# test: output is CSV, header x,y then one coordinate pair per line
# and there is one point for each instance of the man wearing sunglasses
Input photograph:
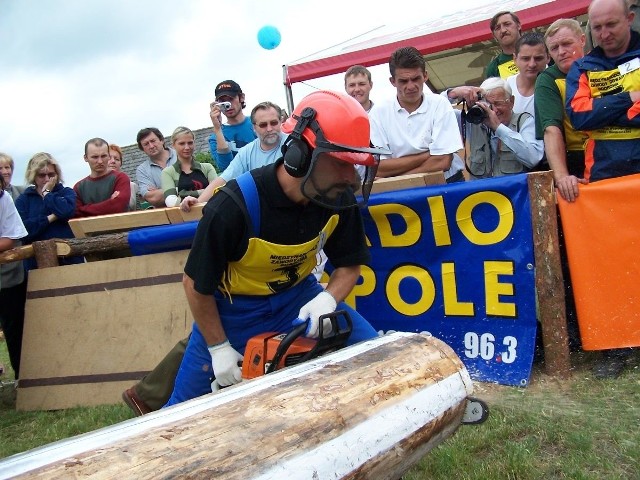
x,y
250,267
504,142
266,121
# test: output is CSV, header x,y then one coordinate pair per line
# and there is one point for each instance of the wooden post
x,y
46,253
548,274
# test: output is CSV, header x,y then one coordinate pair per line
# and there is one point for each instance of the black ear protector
x,y
295,151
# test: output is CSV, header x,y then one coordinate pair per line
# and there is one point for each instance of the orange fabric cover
x,y
602,232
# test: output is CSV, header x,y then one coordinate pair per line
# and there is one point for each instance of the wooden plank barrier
x,y
91,330
368,411
121,222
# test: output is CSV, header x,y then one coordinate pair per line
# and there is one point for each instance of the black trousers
x,y
12,301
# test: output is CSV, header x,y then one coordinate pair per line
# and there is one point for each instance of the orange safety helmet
x,y
333,121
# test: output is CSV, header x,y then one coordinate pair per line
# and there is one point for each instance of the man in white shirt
x,y
417,126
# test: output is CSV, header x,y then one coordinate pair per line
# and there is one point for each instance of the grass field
x,y
579,428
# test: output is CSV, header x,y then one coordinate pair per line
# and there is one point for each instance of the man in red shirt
x,y
104,191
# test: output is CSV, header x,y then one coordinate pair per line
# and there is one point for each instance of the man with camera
x,y
501,142
228,138
264,150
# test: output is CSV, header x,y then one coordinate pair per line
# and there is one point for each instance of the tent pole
x,y
287,89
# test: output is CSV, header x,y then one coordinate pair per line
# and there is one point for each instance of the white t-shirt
x,y
432,127
11,225
520,103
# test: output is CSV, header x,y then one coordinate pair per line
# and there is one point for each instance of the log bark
x,y
72,247
97,244
46,253
367,411
548,274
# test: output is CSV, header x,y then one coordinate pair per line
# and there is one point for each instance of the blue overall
x,y
251,315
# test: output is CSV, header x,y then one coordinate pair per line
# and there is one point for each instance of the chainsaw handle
x,y
339,334
286,343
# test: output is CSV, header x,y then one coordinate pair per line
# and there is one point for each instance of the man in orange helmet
x,y
250,268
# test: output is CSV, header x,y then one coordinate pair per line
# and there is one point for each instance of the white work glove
x,y
225,364
321,304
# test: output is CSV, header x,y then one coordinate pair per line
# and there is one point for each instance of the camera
x,y
223,106
476,114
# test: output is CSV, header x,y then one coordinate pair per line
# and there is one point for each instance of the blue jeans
x,y
246,317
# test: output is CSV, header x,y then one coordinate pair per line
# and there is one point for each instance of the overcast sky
x,y
76,69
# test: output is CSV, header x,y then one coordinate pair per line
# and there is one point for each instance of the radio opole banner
x,y
456,261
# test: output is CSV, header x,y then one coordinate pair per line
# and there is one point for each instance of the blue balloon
x,y
269,37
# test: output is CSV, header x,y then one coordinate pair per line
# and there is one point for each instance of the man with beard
x,y
250,267
266,121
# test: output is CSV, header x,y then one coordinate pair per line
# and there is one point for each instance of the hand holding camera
x,y
477,112
216,109
222,106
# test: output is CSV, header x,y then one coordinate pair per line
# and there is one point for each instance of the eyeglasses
x,y
47,175
273,123
499,103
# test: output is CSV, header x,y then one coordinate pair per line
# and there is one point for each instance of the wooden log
x,y
368,411
72,246
46,253
102,243
548,274
18,253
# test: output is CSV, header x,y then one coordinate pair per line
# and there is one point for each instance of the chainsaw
x,y
271,351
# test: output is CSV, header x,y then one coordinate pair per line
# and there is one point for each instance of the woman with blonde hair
x,y
6,170
186,177
46,205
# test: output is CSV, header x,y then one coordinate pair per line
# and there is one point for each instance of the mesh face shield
x,y
336,176
336,173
